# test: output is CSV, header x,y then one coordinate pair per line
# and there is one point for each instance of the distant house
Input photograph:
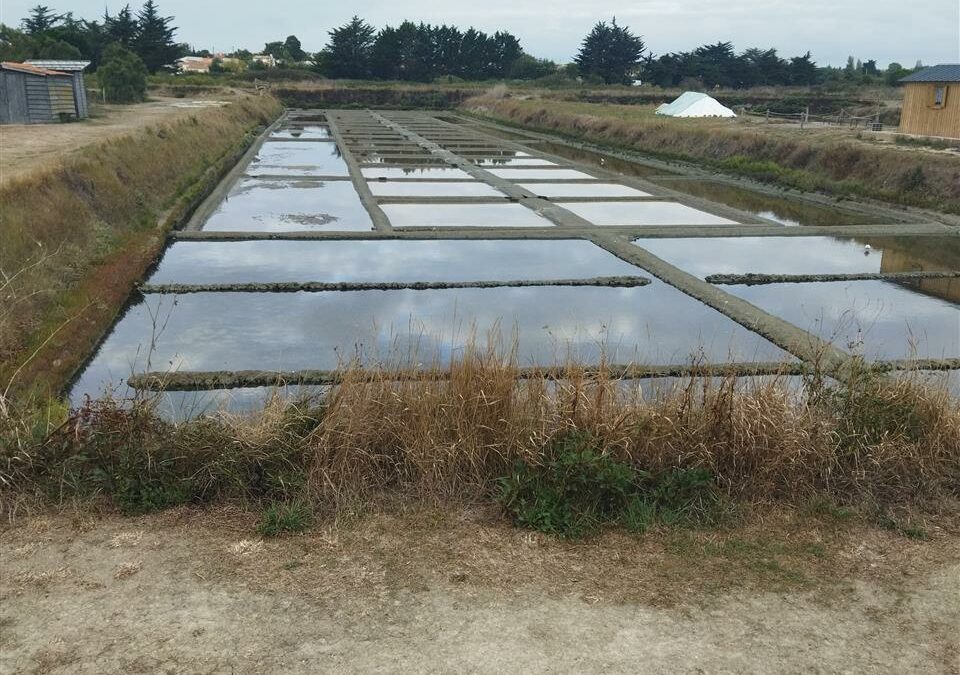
x,y
194,64
33,95
75,69
266,59
931,102
695,104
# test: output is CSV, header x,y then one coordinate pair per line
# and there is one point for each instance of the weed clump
x,y
580,488
285,518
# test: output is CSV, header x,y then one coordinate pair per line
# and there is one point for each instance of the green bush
x,y
580,487
122,75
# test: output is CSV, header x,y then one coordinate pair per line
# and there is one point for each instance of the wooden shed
x,y
931,102
75,70
33,95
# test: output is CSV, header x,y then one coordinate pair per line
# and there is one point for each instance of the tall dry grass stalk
x,y
762,438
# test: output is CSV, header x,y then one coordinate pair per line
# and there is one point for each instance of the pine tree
x,y
348,53
611,52
121,28
153,42
41,20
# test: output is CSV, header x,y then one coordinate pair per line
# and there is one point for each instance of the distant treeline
x,y
45,34
420,52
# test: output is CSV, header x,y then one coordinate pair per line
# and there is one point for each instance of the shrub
x,y
580,487
285,517
123,75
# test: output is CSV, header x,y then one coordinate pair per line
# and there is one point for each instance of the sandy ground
x,y
27,147
198,592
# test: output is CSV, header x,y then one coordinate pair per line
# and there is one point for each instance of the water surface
x,y
193,262
643,213
463,215
654,324
290,158
270,205
878,319
470,188
560,190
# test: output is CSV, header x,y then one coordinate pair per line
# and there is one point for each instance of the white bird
x,y
867,249
602,161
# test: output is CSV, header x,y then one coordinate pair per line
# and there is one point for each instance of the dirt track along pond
x,y
369,200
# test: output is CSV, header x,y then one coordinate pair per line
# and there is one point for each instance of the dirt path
x,y
198,592
27,147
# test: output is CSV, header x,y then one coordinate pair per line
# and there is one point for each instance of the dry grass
x,y
766,438
75,237
808,161
380,438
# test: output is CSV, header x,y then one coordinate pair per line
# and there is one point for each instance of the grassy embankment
x,y
813,160
74,238
564,457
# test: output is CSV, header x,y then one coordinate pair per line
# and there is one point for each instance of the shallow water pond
x,y
193,262
415,172
534,174
609,162
779,208
878,319
643,213
307,131
291,158
271,205
470,188
654,324
463,215
561,190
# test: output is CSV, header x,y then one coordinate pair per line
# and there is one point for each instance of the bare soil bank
x,y
76,234
812,161
196,591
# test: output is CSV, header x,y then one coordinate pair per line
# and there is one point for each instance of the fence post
x,y
768,115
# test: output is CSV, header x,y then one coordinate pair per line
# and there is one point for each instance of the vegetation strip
x,y
320,286
753,279
234,379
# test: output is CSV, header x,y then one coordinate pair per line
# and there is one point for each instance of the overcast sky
x,y
885,30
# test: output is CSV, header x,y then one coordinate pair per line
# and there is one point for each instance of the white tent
x,y
695,104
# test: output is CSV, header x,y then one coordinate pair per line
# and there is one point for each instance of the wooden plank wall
x,y
38,99
61,97
920,117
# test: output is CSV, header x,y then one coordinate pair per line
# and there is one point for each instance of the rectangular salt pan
x,y
427,189
878,319
190,262
656,324
414,172
463,215
560,190
534,174
291,158
703,256
258,205
643,213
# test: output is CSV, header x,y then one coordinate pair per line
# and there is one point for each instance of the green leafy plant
x,y
285,517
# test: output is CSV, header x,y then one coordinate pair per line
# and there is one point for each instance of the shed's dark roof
x,y
945,72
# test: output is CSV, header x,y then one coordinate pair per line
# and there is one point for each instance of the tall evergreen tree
x,y
121,28
154,42
294,49
348,53
41,20
610,52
